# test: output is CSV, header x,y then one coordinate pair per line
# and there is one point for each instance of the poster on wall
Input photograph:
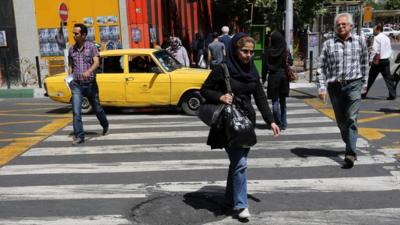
x,y
3,39
112,19
101,20
136,35
88,21
90,36
48,42
104,33
109,32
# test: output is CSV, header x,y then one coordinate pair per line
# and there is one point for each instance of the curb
x,y
22,93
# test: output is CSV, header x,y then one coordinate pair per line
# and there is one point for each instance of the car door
x,y
146,85
111,80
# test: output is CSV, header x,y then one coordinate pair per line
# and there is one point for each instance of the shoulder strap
x,y
227,77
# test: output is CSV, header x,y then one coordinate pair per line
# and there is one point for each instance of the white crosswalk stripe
x,y
179,136
199,133
192,124
81,220
186,165
194,147
348,184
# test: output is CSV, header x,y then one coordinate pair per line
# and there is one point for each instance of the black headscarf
x,y
276,53
237,69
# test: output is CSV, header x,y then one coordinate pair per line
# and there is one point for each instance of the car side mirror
x,y
155,69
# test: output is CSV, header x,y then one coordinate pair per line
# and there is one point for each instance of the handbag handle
x,y
227,77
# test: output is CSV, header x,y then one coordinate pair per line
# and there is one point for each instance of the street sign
x,y
367,14
63,12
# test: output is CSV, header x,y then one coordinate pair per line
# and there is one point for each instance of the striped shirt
x,y
342,60
81,60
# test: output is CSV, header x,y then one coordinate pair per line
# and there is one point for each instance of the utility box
x,y
258,33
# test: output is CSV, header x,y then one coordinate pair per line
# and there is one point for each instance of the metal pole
x,y
38,71
6,73
251,14
311,67
289,24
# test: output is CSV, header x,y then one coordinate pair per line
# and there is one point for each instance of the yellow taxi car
x,y
138,78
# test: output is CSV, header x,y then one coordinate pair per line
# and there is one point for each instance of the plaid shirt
x,y
81,60
342,60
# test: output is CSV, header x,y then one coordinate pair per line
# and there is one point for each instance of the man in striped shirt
x,y
342,72
83,62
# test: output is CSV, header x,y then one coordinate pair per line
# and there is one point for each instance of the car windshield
x,y
168,62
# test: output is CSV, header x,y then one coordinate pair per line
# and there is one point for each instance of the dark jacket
x,y
214,87
278,82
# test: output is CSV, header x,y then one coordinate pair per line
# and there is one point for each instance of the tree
x,y
392,4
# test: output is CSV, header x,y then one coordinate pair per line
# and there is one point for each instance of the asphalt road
x,y
154,168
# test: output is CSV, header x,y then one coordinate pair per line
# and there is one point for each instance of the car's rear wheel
x,y
191,102
86,107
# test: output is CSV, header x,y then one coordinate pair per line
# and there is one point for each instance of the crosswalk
x,y
296,177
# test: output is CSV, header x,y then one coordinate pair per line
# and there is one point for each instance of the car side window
x,y
141,64
113,64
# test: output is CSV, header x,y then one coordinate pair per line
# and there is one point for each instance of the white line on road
x,y
81,220
105,191
192,147
142,117
190,124
194,134
387,216
182,165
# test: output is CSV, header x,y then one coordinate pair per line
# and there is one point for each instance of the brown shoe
x,y
349,161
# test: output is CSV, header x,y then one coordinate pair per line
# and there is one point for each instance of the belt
x,y
83,82
345,82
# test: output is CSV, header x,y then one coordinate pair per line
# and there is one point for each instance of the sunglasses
x,y
247,51
75,33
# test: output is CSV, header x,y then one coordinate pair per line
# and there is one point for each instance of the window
x,y
113,64
141,64
167,61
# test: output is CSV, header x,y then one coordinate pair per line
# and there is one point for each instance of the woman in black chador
x,y
245,83
278,57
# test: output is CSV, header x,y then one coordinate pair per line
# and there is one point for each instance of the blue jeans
x,y
346,101
91,92
236,184
280,112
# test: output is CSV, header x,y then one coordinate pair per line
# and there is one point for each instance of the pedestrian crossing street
x,y
297,177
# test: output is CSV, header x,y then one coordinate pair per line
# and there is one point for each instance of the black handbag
x,y
239,128
210,113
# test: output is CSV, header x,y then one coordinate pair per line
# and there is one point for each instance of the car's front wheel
x,y
191,102
86,107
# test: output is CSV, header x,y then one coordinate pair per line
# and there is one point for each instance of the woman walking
x,y
245,83
278,58
179,52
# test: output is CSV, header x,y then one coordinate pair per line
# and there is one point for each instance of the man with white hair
x,y
225,38
342,72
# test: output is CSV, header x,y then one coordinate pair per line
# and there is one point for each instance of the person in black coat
x,y
277,59
245,82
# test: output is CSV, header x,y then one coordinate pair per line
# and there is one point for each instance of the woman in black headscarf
x,y
245,83
278,83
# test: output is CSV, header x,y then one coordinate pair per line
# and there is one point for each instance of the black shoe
x,y
105,131
391,98
78,141
363,96
349,161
